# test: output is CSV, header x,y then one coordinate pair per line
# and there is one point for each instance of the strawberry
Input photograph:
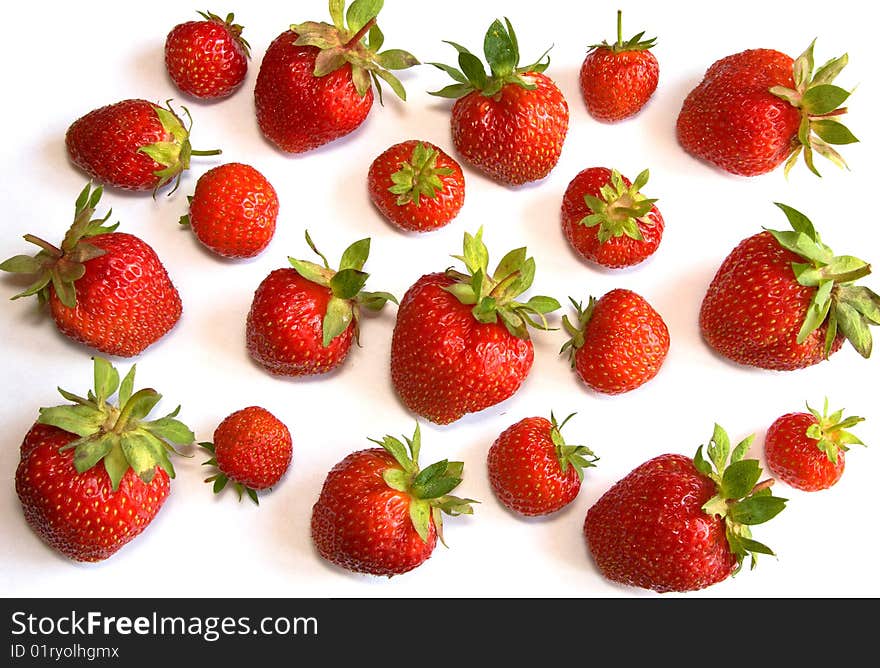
x,y
302,319
208,58
107,290
92,474
673,524
608,221
531,469
416,185
461,341
617,80
315,83
233,211
781,300
132,145
252,448
378,513
511,123
758,108
619,342
806,450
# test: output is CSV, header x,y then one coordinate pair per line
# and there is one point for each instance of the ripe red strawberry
x,y
133,145
233,211
510,124
758,108
378,513
208,58
531,469
619,342
302,319
461,341
674,524
416,186
608,221
252,448
107,290
783,301
618,79
93,475
315,81
806,450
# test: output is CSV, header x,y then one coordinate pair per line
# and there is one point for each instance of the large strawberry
x,y
782,300
461,340
93,474
675,524
511,123
315,83
758,108
107,290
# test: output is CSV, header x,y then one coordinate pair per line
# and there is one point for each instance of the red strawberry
x,y
303,318
531,469
461,341
207,59
93,475
416,186
619,343
378,513
233,211
315,82
510,124
674,524
608,221
806,450
758,108
618,79
133,145
107,290
252,448
783,301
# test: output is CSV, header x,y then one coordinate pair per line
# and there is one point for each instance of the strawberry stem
x,y
359,35
761,486
215,151
45,245
619,29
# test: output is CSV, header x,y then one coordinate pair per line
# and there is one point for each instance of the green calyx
x,y
355,38
620,208
494,296
829,431
847,309
741,501
346,285
578,457
419,176
575,330
117,434
61,267
819,103
635,43
234,28
428,488
501,50
220,479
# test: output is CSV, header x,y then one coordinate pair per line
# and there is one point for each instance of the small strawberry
x,y
302,319
608,221
416,186
806,450
107,290
758,108
132,145
783,301
675,525
378,513
511,123
461,341
618,79
252,448
93,475
233,211
315,82
207,58
619,342
531,469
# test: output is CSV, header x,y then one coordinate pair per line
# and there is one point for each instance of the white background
x,y
86,55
